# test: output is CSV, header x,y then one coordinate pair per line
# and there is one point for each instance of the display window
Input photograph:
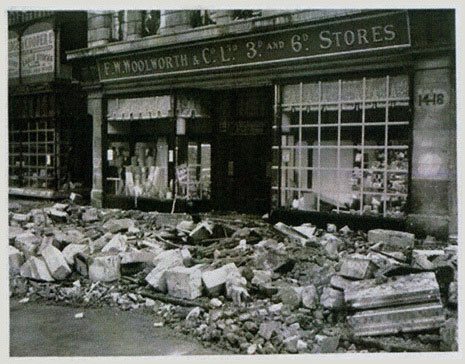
x,y
158,151
343,146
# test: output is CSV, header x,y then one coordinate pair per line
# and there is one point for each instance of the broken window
x,y
343,146
151,22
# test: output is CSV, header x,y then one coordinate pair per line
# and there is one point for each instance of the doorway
x,y
243,152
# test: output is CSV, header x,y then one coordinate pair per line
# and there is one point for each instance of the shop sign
x,y
382,31
38,53
13,56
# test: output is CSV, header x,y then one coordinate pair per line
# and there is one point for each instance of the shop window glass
x,y
343,146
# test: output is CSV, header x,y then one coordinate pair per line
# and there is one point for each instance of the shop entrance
x,y
243,149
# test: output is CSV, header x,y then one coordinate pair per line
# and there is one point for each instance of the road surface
x,y
38,329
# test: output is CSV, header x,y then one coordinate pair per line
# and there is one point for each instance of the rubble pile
x,y
240,283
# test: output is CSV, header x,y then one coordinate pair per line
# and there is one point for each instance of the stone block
x,y
309,296
392,239
398,290
332,298
118,225
393,320
357,268
215,280
60,206
448,334
186,257
104,267
98,244
56,263
28,243
290,296
15,260
20,217
202,231
71,250
268,328
423,259
184,282
340,283
327,344
164,261
118,243
172,220
453,293
13,232
138,256
261,277
291,233
35,268
81,264
90,215
73,236
58,215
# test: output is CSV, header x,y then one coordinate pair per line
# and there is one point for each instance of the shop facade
x,y
336,113
48,129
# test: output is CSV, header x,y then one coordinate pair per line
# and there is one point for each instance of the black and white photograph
x,y
227,180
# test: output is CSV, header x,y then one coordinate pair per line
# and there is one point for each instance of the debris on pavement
x,y
237,282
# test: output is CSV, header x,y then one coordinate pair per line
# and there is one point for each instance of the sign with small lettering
x,y
13,55
38,53
381,31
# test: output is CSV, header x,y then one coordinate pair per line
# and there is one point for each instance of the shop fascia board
x,y
211,32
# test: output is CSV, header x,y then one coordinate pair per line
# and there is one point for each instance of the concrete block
x,y
393,320
118,225
398,290
104,267
291,233
60,206
309,296
184,282
164,261
357,268
56,263
35,268
71,250
215,280
73,236
28,243
15,260
392,239
118,243
423,259
186,257
332,298
172,220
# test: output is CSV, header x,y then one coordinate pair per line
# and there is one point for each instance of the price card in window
x,y
286,156
170,156
110,154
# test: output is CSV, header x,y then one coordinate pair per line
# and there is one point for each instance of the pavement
x,y
39,329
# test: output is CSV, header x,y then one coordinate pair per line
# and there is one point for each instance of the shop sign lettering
x,y
38,53
431,98
322,40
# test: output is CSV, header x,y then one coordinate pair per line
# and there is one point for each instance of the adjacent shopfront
x,y
348,116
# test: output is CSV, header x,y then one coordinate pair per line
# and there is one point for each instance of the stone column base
x,y
422,225
96,198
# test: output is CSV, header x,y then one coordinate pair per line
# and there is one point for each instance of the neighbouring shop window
x,y
245,14
117,25
151,22
138,147
343,146
200,18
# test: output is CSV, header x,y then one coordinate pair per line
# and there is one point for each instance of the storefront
x,y
352,116
48,129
